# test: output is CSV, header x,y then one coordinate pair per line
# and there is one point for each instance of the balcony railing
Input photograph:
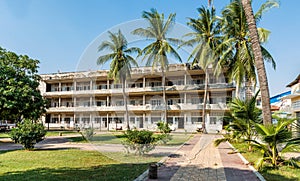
x,y
146,107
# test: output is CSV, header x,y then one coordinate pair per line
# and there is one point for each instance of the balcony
x,y
146,107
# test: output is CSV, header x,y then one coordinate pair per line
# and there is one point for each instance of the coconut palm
x,y
239,56
275,140
121,62
205,39
244,115
156,53
258,57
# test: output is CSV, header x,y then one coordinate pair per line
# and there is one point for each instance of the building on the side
x,y
294,98
90,99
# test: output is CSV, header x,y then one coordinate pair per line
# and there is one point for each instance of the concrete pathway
x,y
200,160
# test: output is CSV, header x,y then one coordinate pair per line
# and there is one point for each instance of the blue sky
x,y
59,32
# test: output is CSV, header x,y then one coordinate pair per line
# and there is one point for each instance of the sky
x,y
64,34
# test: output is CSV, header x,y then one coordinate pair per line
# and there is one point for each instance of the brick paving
x,y
200,160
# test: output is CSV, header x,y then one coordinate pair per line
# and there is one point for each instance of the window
x,y
196,120
67,120
213,120
170,102
97,120
155,102
195,101
296,105
132,120
54,120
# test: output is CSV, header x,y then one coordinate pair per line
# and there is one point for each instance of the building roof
x,y
294,82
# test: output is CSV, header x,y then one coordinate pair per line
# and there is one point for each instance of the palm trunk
x,y
259,63
248,91
237,91
204,102
126,120
164,95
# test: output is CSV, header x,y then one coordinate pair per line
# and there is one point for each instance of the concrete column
x,y
144,100
75,84
144,82
59,86
59,102
185,79
91,85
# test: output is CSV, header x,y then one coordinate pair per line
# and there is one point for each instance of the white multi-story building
x,y
90,99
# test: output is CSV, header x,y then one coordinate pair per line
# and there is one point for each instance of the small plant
x,y
163,127
28,133
275,140
140,142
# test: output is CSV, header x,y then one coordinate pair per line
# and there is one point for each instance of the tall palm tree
x,y
258,57
239,55
206,39
121,62
157,52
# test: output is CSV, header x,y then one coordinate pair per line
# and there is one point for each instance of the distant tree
x,y
205,39
121,61
156,53
19,81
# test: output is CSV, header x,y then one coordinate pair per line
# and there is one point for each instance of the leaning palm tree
x,y
239,55
157,52
258,57
205,39
121,62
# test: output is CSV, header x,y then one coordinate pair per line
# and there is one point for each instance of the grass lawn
x,y
70,165
56,133
285,173
4,135
118,137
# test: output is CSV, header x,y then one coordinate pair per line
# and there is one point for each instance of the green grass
x,y
4,135
57,133
283,173
118,137
70,165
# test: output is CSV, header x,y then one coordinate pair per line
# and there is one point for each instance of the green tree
x,y
121,62
275,140
19,81
244,115
258,57
239,56
205,39
28,133
157,52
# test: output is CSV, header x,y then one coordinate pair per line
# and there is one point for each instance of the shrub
x,y
140,142
163,127
28,133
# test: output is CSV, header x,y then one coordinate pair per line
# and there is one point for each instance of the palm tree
x,y
239,56
258,57
121,62
244,115
275,140
157,52
206,39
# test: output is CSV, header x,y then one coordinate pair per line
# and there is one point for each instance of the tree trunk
x,y
259,63
248,91
126,119
164,95
204,101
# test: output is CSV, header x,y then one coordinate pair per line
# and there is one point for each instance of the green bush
x,y
163,127
140,142
28,133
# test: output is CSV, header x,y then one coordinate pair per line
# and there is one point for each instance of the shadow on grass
x,y
100,172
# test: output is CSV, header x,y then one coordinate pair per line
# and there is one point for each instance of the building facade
x,y
294,98
91,99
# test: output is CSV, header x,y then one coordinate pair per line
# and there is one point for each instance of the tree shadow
x,y
100,172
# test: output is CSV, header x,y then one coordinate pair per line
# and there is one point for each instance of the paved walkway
x,y
199,159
